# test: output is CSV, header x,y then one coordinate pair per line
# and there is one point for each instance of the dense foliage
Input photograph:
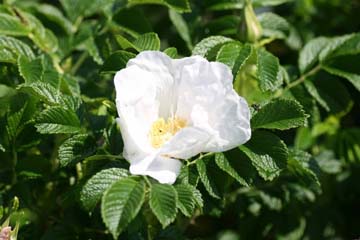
x,y
62,175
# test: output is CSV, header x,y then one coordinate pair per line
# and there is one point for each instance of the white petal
x,y
185,144
208,101
137,107
160,66
163,169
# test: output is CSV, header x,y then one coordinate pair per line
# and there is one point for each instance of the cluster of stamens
x,y
162,130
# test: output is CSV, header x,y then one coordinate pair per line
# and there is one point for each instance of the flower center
x,y
162,130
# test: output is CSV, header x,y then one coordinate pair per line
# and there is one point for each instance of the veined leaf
x,y
229,53
56,120
339,46
186,199
280,114
121,203
267,152
301,165
10,25
163,199
268,71
171,52
147,41
94,188
11,48
75,149
177,5
309,55
117,61
208,47
224,164
209,183
30,70
274,26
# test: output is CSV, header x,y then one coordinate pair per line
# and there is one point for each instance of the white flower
x,y
175,109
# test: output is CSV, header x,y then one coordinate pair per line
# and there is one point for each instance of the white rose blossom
x,y
173,109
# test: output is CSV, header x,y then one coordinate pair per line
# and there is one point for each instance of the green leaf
x,y
57,120
231,5
132,21
229,53
14,122
353,78
84,8
301,165
92,49
186,199
76,148
30,70
55,15
121,203
309,55
312,90
267,152
209,183
147,41
10,25
94,188
117,61
171,52
224,164
264,3
274,26
162,201
177,5
208,47
340,46
268,71
279,114
51,95
11,49
181,27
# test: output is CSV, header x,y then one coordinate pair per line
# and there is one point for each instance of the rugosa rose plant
x,y
179,119
171,110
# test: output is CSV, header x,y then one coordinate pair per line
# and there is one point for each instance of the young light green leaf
x,y
57,120
76,148
10,25
94,188
268,70
224,164
267,152
186,199
147,41
171,52
117,61
163,200
312,90
92,49
280,114
208,47
30,70
209,183
177,5
309,55
121,203
181,27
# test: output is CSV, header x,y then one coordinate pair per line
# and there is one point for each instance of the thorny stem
x,y
298,81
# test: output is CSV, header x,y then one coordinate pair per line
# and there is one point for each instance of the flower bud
x,y
250,29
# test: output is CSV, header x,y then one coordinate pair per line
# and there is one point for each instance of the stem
x,y
300,80
100,157
79,62
200,157
147,181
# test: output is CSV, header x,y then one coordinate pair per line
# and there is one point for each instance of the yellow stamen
x,y
161,131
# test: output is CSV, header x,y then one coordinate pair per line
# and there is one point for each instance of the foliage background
x,y
57,60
